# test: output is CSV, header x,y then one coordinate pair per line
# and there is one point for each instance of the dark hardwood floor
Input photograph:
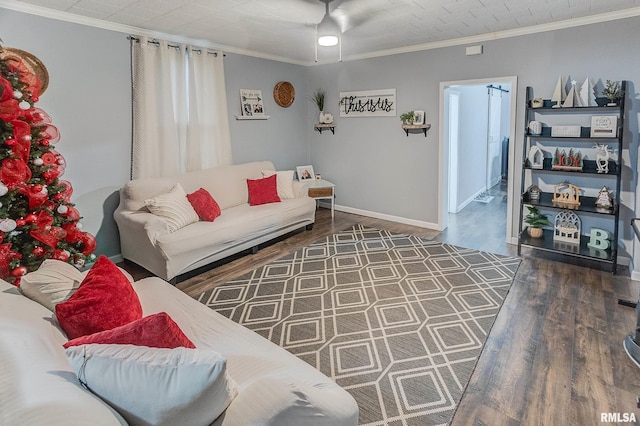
x,y
554,355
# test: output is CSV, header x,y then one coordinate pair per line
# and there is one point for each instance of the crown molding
x,y
127,29
137,31
534,29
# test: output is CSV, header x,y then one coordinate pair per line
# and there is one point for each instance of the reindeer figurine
x,y
602,157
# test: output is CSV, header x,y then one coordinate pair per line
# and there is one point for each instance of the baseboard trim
x,y
383,216
116,258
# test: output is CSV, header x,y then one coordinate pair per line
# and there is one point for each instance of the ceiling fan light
x,y
327,40
328,31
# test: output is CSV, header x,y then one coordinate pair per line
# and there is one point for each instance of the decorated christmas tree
x,y
37,219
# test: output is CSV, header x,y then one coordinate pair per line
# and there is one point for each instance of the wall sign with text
x,y
368,103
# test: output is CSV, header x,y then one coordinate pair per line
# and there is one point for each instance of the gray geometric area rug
x,y
398,321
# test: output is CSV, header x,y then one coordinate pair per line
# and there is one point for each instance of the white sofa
x,y
38,385
146,240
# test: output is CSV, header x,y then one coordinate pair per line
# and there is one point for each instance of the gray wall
x,y
88,100
377,168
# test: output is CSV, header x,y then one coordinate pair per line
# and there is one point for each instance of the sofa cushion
x,y
173,207
155,331
156,386
37,384
284,180
53,282
205,206
263,191
104,300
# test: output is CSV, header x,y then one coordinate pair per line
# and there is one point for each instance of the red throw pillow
x,y
155,331
204,205
104,300
263,191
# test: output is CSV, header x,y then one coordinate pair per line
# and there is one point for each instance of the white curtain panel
x,y
180,120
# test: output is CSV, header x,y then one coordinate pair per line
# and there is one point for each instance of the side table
x,y
321,189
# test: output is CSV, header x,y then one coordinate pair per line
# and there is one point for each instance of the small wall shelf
x,y
423,127
252,117
321,127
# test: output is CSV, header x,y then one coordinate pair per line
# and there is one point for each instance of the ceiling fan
x,y
328,31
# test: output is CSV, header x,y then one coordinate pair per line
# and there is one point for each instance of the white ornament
x,y
92,257
27,138
79,225
7,225
44,190
38,161
17,94
14,233
63,209
3,190
24,105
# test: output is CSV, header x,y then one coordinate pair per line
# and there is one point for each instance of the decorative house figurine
x,y
602,158
536,157
567,227
563,161
604,201
566,195
534,193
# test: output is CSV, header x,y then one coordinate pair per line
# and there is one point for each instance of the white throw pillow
x,y
284,181
53,282
156,386
174,207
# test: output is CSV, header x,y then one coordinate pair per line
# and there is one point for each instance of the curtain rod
x,y
175,46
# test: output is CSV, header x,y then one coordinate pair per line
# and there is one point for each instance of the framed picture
x,y
305,173
251,102
418,117
604,126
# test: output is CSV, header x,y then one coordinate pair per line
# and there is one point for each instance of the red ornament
x,y
30,218
35,98
19,271
61,255
11,142
21,222
89,243
44,142
38,251
50,175
49,159
36,188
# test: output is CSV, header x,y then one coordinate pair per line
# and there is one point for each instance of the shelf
x,y
588,168
585,133
422,127
534,176
574,110
587,204
321,127
546,243
252,117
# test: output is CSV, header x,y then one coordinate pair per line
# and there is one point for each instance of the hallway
x,y
481,226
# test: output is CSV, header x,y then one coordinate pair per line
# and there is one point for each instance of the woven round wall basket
x,y
284,94
32,63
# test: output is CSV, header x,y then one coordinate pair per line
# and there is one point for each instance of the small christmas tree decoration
x,y
604,200
37,219
559,94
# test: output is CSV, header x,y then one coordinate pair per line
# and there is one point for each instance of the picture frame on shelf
x,y
604,126
418,117
251,102
305,173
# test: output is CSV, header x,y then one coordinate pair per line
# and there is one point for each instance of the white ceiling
x,y
285,29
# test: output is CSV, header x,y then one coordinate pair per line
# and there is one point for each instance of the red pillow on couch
x,y
205,206
155,331
263,191
104,300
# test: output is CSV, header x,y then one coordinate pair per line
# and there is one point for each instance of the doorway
x,y
476,148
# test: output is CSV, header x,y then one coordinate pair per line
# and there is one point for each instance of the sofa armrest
x,y
152,225
300,189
